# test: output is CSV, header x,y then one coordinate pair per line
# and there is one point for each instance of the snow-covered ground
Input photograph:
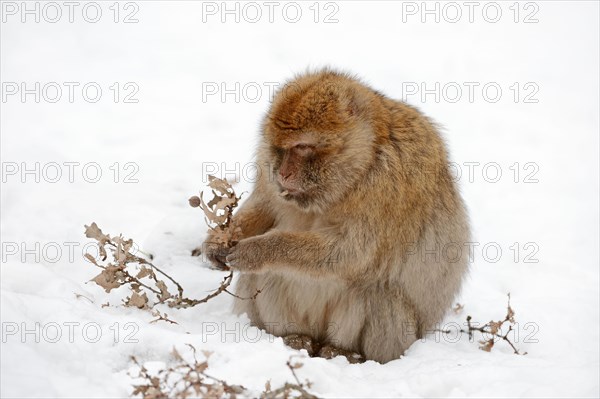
x,y
541,212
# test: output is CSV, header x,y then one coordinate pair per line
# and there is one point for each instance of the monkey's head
x,y
318,138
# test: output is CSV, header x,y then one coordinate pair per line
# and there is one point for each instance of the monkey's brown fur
x,y
366,252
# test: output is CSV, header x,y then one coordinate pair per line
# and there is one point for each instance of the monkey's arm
x,y
253,218
256,216
308,252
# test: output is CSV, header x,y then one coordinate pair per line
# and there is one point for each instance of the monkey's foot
x,y
297,341
315,349
329,352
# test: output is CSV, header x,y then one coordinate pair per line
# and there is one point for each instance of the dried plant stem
x,y
223,287
492,328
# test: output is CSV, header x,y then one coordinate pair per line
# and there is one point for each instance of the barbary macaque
x,y
355,238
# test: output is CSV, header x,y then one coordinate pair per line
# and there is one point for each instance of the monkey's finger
x,y
218,262
222,252
220,259
231,260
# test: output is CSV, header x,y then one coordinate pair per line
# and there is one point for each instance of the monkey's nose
x,y
284,175
283,179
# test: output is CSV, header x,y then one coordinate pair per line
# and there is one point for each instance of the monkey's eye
x,y
304,149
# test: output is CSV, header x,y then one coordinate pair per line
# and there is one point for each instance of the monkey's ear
x,y
352,108
354,103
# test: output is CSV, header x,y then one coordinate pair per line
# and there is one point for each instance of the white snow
x,y
171,136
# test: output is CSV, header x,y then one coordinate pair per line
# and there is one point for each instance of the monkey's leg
x,y
392,326
246,288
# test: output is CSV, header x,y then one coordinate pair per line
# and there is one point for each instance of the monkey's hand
x,y
214,252
249,254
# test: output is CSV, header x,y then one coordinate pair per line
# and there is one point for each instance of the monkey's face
x,y
318,140
299,171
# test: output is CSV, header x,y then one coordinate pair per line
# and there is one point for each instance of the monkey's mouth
x,y
290,192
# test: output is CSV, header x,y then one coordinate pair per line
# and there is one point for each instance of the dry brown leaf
x,y
164,291
214,201
120,255
102,250
144,272
211,215
219,184
201,367
510,315
137,300
108,278
487,345
495,326
93,231
225,202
